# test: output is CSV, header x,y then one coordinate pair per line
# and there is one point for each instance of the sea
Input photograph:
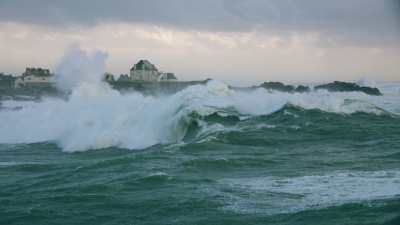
x,y
205,155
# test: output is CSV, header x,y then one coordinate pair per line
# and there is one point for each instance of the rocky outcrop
x,y
302,89
338,86
278,86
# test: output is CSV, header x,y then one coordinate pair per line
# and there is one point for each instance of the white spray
x,y
96,116
78,67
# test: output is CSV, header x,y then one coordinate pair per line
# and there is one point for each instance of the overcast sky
x,y
290,40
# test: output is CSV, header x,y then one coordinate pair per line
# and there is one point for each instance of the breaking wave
x,y
97,117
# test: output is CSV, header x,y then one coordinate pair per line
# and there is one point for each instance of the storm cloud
x,y
292,40
358,22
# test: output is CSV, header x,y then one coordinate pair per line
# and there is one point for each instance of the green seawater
x,y
294,166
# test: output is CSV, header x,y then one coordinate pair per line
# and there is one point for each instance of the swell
x,y
294,125
99,117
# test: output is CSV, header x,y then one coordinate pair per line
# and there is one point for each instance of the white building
x,y
34,77
146,71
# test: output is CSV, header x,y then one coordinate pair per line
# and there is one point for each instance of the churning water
x,y
205,155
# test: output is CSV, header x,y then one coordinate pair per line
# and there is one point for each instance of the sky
x,y
285,40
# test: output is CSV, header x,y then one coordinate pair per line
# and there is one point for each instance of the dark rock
x,y
338,86
278,86
302,89
153,88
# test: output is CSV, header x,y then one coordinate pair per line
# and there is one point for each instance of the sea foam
x,y
95,116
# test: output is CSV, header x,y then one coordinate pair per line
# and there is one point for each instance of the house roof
x,y
144,65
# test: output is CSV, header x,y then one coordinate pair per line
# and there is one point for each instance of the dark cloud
x,y
370,22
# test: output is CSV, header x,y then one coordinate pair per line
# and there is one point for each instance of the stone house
x,y
146,71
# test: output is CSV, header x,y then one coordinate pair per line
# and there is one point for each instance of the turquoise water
x,y
292,165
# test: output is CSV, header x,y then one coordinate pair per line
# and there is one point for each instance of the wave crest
x,y
98,117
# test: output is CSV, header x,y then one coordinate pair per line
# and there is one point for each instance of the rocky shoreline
x,y
165,88
336,86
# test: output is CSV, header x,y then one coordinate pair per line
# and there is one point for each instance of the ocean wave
x,y
96,117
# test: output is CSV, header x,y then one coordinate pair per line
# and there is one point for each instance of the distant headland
x,y
144,77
